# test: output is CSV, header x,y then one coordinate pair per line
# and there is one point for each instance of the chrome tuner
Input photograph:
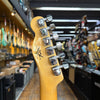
x,y
55,36
98,42
51,27
44,31
50,51
41,22
53,59
49,18
58,46
47,39
57,69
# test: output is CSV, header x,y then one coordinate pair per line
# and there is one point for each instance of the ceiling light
x,y
71,20
67,9
13,12
67,35
26,28
57,31
67,27
88,32
63,38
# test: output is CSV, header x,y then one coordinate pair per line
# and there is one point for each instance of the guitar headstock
x,y
44,51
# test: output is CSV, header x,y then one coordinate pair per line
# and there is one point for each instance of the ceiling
x,y
65,19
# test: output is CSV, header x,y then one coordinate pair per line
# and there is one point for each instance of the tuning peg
x,y
41,22
50,50
53,59
57,70
51,27
47,39
98,42
44,31
61,55
49,18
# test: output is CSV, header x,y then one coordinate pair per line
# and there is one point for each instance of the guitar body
x,y
48,81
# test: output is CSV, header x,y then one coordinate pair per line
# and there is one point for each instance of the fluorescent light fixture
x,y
67,35
67,9
67,27
57,31
88,32
63,38
71,20
93,31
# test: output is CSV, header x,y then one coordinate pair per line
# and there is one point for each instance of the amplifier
x,y
20,79
1,87
96,86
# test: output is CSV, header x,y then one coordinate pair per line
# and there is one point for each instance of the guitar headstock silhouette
x,y
45,57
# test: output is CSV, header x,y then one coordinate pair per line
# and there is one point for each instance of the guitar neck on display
x,y
9,35
46,59
4,37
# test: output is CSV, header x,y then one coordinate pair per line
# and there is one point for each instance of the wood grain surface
x,y
32,91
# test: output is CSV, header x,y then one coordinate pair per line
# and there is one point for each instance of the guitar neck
x,y
48,81
48,94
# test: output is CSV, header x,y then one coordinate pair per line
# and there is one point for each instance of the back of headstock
x,y
45,57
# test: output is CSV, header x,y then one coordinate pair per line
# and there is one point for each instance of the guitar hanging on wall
x,y
4,38
46,59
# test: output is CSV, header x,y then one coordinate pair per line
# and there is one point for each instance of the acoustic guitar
x,y
46,59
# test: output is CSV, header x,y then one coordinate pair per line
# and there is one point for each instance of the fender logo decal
x,y
38,52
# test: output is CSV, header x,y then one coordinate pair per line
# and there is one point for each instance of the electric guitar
x,y
46,59
0,37
9,35
4,38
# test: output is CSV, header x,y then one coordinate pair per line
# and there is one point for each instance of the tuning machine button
x,y
53,59
57,69
41,22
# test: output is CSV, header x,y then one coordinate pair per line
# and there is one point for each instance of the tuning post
x,y
57,69
41,22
